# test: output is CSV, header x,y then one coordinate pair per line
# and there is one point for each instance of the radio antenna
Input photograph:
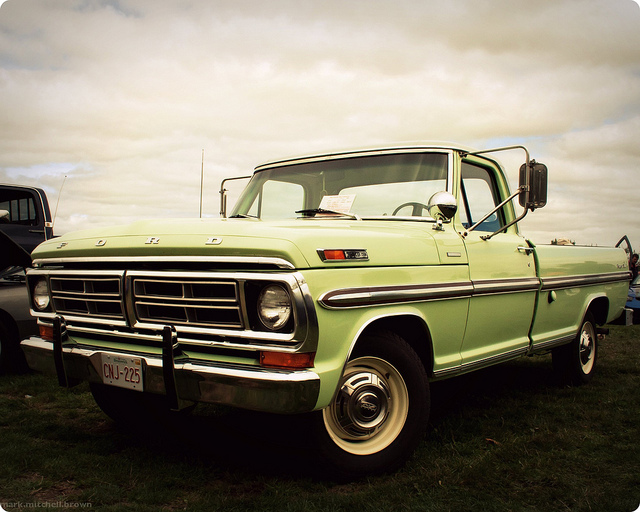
x,y
55,214
201,182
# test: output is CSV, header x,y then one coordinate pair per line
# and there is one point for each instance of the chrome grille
x,y
96,296
192,302
211,308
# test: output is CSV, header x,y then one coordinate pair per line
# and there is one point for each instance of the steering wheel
x,y
416,211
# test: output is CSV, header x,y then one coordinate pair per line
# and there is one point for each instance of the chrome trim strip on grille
x,y
188,290
249,260
93,306
74,273
189,314
110,322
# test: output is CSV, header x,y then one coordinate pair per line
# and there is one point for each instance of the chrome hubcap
x,y
362,404
587,348
370,409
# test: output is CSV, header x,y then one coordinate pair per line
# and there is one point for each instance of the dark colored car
x,y
16,322
25,221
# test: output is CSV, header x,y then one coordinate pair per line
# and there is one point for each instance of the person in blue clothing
x,y
633,266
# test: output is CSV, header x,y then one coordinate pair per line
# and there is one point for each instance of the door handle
x,y
526,250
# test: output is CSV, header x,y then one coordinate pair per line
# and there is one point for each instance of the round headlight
x,y
274,307
41,295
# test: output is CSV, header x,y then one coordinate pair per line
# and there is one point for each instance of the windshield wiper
x,y
311,212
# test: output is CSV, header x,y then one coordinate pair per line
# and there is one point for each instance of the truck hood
x,y
388,243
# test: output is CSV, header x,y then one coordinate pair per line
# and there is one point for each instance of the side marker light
x,y
343,254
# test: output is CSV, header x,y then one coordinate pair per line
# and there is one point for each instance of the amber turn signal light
x,y
334,255
46,332
287,360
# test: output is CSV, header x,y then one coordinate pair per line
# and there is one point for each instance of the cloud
x,y
123,96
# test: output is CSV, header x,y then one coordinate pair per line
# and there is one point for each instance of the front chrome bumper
x,y
248,387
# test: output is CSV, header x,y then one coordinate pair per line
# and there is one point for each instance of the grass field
x,y
504,439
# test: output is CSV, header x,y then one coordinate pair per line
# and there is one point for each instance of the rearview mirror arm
x,y
223,194
504,228
494,150
487,237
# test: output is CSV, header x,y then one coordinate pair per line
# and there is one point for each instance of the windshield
x,y
377,186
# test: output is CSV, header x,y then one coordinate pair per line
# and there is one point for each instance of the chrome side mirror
x,y
442,207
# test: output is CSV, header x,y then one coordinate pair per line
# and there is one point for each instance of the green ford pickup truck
x,y
339,286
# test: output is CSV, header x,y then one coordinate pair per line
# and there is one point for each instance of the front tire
x,y
575,363
379,413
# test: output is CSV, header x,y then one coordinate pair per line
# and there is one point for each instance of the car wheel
x,y
575,363
379,413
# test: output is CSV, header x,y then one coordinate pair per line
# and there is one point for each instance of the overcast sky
x,y
122,97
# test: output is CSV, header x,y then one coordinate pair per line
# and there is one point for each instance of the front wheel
x,y
575,363
379,413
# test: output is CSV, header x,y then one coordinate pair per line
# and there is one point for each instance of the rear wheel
x,y
575,363
379,413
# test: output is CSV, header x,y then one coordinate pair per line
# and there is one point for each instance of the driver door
x,y
502,271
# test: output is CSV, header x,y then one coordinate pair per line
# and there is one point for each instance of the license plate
x,y
122,371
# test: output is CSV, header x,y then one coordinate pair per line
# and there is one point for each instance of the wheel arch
x,y
412,328
599,308
381,409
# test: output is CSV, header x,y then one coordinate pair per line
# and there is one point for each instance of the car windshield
x,y
374,186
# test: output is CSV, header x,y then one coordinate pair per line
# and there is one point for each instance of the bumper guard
x,y
182,380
